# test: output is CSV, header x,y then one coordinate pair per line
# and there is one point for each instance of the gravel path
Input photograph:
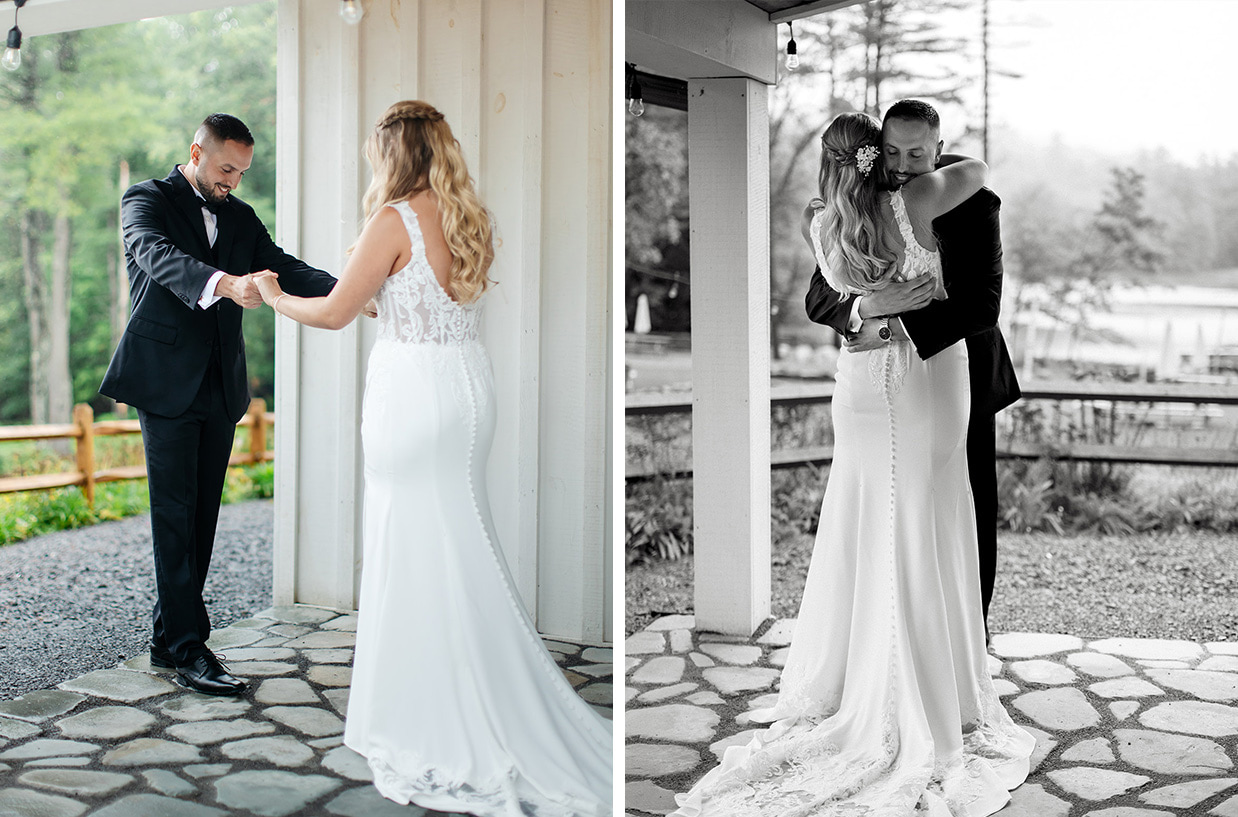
x,y
80,600
1180,585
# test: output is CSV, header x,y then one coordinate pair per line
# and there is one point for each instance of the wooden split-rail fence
x,y
1181,394
84,429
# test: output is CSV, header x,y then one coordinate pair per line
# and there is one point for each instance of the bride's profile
x,y
885,705
455,702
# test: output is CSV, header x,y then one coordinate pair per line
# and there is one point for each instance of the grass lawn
x,y
1163,585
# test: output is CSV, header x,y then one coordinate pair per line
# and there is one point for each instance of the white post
x,y
728,190
318,373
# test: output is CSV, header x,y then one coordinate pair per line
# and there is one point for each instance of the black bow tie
x,y
213,206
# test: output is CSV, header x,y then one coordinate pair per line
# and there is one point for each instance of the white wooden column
x,y
728,191
318,374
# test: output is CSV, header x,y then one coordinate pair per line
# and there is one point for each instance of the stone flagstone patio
x,y
1125,727
127,742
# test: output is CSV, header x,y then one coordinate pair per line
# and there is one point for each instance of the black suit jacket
x,y
163,355
969,237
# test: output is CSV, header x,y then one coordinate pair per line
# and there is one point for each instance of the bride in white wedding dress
x,y
455,702
886,707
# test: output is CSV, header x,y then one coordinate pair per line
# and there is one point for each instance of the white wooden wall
x,y
525,85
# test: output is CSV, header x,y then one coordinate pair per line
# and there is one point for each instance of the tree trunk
x,y
59,381
984,40
880,36
120,274
35,290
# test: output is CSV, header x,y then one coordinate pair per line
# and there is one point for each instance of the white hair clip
x,y
864,158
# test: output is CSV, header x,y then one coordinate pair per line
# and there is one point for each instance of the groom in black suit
x,y
969,237
190,247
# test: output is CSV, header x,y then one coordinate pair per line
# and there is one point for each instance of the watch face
x,y
884,333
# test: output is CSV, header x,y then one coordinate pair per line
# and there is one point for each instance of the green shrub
x,y
1026,499
795,500
659,520
33,513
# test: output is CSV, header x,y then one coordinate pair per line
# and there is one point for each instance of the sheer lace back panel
x,y
917,259
412,305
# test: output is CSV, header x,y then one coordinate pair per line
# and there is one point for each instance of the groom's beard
x,y
210,192
886,181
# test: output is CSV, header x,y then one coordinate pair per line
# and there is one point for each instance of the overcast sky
x,y
1120,74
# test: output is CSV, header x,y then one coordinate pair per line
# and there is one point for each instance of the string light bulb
x,y
352,12
12,54
793,57
12,51
636,101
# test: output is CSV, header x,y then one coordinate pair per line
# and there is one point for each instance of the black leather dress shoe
x,y
206,675
160,658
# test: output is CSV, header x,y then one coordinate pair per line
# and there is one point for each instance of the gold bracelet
x,y
275,303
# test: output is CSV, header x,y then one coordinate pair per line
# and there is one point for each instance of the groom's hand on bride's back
x,y
898,297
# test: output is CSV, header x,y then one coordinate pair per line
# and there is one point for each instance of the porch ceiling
x,y
783,11
54,16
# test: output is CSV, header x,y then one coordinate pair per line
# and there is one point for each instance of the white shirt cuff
x,y
855,322
209,297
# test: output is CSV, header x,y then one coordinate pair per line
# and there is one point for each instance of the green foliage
x,y
795,500
262,478
655,183
33,513
659,520
1025,500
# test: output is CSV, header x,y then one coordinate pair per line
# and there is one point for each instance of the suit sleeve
x,y
295,276
143,218
826,306
972,250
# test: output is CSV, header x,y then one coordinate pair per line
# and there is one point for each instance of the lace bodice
x,y
888,366
412,305
917,260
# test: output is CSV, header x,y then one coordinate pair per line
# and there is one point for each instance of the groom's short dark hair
x,y
223,127
916,110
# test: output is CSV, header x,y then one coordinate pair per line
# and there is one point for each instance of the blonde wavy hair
x,y
413,150
854,234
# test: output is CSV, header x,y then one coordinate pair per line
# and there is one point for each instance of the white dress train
x,y
886,707
455,702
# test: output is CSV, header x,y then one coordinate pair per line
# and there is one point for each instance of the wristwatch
x,y
884,332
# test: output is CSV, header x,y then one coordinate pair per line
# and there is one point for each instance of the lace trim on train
x,y
416,776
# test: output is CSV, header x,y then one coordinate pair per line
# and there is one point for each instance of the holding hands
x,y
241,289
266,285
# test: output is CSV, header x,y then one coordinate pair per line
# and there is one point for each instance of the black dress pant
x,y
187,463
982,473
